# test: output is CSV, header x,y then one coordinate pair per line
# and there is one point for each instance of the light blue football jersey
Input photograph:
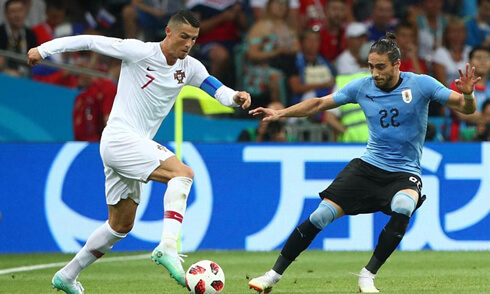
x,y
397,119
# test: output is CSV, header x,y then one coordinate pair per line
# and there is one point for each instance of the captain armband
x,y
222,93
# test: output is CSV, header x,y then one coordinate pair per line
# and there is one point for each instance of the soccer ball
x,y
205,277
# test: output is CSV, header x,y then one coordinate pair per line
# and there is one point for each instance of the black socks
x,y
297,242
388,240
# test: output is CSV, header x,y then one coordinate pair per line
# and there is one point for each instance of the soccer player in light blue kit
x,y
387,177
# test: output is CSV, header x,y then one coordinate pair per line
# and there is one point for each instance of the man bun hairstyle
x,y
387,45
184,16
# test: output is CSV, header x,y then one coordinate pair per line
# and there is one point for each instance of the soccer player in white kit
x,y
152,75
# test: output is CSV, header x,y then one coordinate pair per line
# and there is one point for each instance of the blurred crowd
x,y
281,51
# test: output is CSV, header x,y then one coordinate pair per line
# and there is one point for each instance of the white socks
x,y
100,242
174,204
102,239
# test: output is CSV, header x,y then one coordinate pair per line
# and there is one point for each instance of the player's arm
x,y
303,109
129,49
224,94
199,77
465,102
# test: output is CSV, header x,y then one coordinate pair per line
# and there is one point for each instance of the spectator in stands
x,y
363,9
55,17
349,62
483,126
311,14
267,131
94,103
222,24
333,34
406,38
461,127
35,12
15,37
314,75
272,47
56,26
146,19
453,54
431,23
382,20
259,8
478,27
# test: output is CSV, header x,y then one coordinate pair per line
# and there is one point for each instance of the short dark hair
x,y
478,48
388,46
184,16
8,2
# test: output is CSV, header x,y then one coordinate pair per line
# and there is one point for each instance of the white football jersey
x,y
147,86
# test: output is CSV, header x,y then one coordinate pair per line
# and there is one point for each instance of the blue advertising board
x,y
244,197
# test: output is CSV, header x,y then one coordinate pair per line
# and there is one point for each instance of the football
x,y
205,277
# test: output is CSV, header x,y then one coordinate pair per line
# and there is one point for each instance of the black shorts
x,y
364,188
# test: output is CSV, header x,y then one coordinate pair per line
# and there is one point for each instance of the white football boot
x,y
265,283
366,282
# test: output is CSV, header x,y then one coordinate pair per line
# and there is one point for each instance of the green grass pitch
x,y
313,272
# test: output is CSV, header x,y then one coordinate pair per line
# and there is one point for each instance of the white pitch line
x,y
58,264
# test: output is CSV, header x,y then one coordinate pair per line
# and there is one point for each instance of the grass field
x,y
314,272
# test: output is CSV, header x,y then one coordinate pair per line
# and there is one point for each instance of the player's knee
x,y
122,228
397,225
189,173
184,171
323,215
403,203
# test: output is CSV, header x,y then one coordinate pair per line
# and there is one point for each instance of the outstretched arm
x,y
305,108
465,102
129,49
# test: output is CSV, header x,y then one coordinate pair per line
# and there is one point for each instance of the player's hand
x,y
466,82
33,56
243,98
269,114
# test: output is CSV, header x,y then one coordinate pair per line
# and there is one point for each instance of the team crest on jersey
x,y
179,75
407,96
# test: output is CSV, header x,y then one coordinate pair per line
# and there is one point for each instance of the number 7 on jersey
x,y
151,80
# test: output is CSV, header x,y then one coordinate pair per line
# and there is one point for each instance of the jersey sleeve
x,y
198,71
349,93
129,50
433,89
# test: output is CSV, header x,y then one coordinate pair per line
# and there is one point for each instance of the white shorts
x,y
128,162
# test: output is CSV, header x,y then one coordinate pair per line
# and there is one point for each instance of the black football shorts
x,y
364,188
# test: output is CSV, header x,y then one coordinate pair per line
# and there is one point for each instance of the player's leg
x,y
144,160
403,205
120,223
297,242
178,178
